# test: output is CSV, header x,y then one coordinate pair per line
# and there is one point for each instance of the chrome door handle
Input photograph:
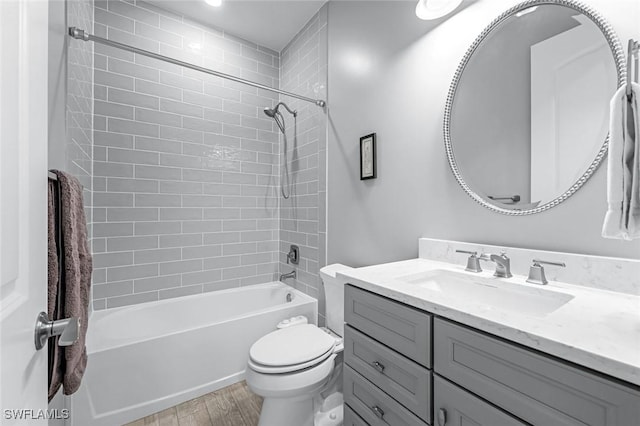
x,y
67,329
378,366
377,411
442,417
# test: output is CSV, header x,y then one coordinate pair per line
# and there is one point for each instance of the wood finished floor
x,y
234,405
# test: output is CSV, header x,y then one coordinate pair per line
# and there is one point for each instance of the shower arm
x,y
292,112
82,35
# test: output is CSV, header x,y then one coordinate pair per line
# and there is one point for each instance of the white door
x,y
23,207
568,123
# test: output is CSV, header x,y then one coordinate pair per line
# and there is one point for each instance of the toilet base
x,y
330,412
287,412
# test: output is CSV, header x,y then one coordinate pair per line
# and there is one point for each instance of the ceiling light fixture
x,y
214,3
434,9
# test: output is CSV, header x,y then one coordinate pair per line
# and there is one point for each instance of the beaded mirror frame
x,y
618,56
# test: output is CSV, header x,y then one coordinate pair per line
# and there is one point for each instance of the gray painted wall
x,y
389,73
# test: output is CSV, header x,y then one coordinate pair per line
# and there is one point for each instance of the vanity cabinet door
x,y
457,407
351,418
405,329
407,382
535,388
374,406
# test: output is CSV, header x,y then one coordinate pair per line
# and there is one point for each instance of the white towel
x,y
622,220
633,221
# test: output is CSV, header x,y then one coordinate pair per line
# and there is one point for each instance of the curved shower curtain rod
x,y
82,35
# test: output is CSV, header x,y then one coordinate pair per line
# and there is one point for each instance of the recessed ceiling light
x,y
214,3
434,9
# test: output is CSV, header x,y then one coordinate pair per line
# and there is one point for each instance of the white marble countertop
x,y
597,329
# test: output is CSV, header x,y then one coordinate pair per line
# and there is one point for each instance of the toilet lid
x,y
291,346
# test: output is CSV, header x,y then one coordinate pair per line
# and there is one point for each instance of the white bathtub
x,y
148,357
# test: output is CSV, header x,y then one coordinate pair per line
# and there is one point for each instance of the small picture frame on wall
x,y
368,157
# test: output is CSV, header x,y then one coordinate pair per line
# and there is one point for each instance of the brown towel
x,y
77,276
55,366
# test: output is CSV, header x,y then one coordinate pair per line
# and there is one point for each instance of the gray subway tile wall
x,y
186,165
304,71
79,104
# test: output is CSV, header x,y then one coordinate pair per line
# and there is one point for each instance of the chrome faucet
x,y
291,274
536,272
473,262
503,265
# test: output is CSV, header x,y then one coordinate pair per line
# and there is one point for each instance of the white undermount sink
x,y
491,293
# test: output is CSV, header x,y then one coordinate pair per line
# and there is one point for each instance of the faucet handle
x,y
539,262
536,271
475,253
473,262
294,254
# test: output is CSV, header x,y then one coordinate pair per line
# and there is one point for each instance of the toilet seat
x,y
291,385
291,349
267,369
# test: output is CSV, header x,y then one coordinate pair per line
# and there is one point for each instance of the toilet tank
x,y
334,297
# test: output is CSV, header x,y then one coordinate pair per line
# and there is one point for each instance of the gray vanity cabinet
x,y
408,382
534,387
372,404
477,379
387,349
351,418
405,329
453,406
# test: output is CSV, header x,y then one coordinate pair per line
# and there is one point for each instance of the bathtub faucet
x,y
291,274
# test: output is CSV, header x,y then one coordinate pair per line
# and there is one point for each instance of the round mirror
x,y
527,117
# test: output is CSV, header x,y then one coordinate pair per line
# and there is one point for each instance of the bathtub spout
x,y
291,274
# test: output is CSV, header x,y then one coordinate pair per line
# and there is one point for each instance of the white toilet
x,y
292,366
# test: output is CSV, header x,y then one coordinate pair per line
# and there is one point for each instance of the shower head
x,y
271,112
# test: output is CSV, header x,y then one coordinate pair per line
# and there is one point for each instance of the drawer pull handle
x,y
378,366
378,411
442,417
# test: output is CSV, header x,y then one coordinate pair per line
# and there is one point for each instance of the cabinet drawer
x,y
457,407
374,406
351,418
405,329
407,382
533,387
